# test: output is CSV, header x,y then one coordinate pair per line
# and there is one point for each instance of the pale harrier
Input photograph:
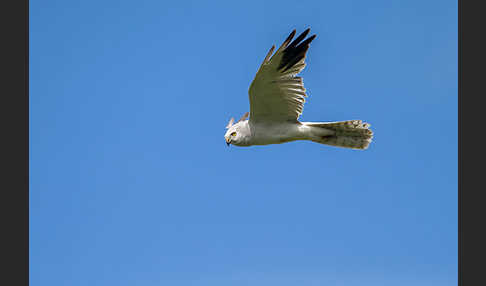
x,y
277,99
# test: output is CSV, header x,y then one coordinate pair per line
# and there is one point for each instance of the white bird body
x,y
266,133
277,99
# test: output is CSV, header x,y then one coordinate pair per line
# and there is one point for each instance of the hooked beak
x,y
227,142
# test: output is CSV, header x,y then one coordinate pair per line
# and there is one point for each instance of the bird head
x,y
236,133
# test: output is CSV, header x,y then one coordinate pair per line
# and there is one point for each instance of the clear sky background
x,y
131,182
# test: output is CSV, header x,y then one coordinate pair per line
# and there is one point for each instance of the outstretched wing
x,y
276,93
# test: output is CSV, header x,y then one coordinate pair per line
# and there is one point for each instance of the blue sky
x,y
131,182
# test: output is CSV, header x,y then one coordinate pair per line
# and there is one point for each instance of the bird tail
x,y
353,134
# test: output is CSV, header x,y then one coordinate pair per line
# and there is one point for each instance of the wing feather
x,y
276,93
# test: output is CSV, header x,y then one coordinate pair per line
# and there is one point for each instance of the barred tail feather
x,y
353,134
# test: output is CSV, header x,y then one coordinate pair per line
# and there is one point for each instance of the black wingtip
x,y
296,50
306,31
289,38
299,38
309,40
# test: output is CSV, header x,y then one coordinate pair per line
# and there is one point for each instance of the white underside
x,y
277,133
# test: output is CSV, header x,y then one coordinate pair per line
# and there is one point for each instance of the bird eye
x,y
233,134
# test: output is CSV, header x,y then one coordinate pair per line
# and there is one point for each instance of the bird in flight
x,y
277,97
